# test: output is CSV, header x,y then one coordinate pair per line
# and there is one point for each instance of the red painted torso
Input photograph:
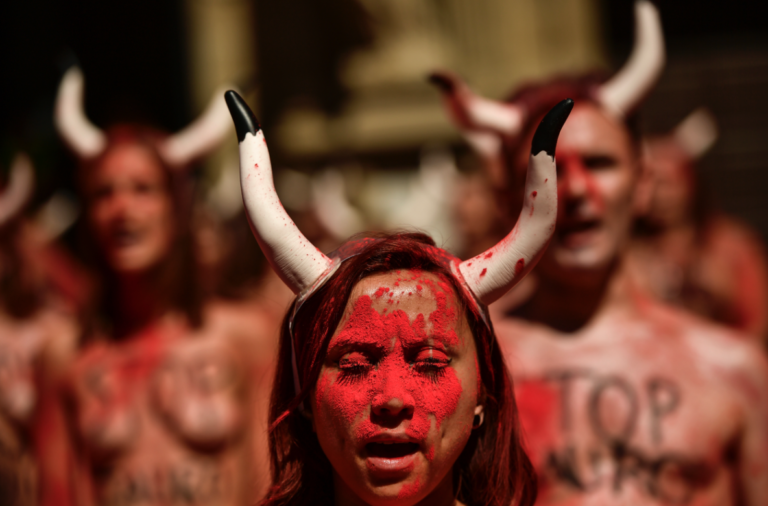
x,y
641,407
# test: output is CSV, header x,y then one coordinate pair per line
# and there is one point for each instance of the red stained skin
x,y
539,405
409,489
534,193
381,291
393,376
519,266
574,172
482,273
489,254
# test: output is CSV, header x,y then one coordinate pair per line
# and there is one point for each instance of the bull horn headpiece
x,y
619,95
624,91
87,141
21,181
488,276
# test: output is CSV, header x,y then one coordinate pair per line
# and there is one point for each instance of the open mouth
x,y
391,450
578,226
577,233
386,458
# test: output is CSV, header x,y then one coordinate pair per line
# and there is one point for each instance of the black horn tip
x,y
442,81
545,138
245,121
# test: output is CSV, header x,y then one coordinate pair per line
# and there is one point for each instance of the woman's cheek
x,y
343,403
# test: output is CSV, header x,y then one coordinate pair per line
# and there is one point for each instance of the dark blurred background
x,y
342,80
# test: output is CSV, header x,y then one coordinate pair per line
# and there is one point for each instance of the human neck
x,y
442,495
139,302
569,305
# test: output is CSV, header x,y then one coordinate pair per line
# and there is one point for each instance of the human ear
x,y
479,418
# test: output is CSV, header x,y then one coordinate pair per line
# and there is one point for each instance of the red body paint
x,y
482,273
409,489
431,396
519,266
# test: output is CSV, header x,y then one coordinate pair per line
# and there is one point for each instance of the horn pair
x,y
620,95
489,275
87,141
21,181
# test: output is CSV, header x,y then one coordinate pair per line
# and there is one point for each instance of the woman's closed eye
x,y
432,363
354,365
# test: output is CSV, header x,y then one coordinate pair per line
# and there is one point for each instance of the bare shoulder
x,y
733,356
245,322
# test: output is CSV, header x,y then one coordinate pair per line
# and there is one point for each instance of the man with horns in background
x,y
167,399
623,399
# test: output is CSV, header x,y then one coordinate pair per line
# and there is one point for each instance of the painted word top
x,y
647,406
167,417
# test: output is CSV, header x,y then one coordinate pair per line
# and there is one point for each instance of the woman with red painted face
x,y
167,398
391,388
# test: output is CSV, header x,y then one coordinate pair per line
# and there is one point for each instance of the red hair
x,y
493,468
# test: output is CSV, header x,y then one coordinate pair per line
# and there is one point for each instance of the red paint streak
x,y
539,407
352,400
578,182
547,179
482,273
409,489
488,255
519,266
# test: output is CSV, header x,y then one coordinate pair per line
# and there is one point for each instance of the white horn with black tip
x,y
494,272
621,94
297,261
202,136
82,137
21,181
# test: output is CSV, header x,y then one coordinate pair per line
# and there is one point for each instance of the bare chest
x,y
628,416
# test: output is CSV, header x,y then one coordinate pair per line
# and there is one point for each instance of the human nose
x,y
394,400
572,181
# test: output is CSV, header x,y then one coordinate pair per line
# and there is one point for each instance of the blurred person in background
x,y
687,253
623,399
167,399
38,333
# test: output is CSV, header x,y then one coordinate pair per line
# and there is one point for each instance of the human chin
x,y
586,254
136,257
